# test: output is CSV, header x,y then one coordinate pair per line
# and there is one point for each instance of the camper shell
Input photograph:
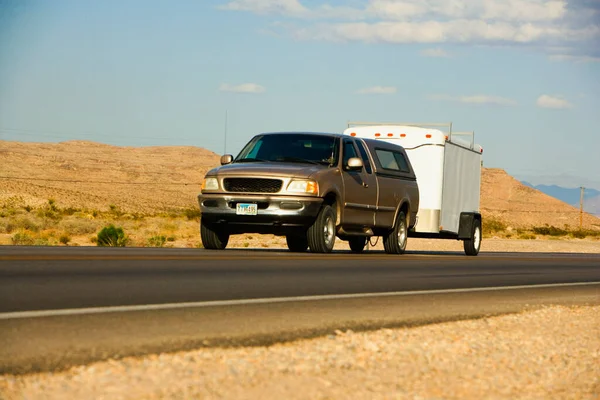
x,y
447,165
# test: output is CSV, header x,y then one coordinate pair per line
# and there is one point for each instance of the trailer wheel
x,y
211,238
357,243
321,234
395,241
473,244
297,243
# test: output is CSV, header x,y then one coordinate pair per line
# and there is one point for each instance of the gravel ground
x,y
551,353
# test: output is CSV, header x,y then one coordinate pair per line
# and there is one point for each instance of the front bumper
x,y
275,213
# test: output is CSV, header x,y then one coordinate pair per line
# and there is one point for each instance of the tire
x,y
473,244
297,243
321,234
211,238
395,241
357,244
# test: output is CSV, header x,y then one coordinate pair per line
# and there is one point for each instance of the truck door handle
x,y
365,185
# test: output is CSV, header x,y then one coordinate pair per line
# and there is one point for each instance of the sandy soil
x,y
552,353
91,175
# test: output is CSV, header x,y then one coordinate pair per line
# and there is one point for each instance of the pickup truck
x,y
311,188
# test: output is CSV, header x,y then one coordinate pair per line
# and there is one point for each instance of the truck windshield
x,y
297,148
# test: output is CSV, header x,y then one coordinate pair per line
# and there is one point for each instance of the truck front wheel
x,y
212,239
395,241
473,244
321,234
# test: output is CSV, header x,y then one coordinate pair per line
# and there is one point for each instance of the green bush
x,y
64,238
549,231
157,241
491,225
583,233
112,236
527,236
22,239
192,213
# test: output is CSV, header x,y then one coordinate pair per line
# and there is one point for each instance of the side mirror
x,y
226,159
355,164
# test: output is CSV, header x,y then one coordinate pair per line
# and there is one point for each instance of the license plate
x,y
246,209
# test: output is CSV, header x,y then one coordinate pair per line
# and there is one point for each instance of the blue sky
x,y
523,74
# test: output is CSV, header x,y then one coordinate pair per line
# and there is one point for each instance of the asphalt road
x,y
66,306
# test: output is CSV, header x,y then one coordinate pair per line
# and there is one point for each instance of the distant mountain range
x,y
591,197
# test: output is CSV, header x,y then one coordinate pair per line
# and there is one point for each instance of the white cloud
x,y
547,101
378,90
475,99
457,31
243,88
437,53
496,22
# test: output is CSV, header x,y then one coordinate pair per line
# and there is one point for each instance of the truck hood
x,y
295,170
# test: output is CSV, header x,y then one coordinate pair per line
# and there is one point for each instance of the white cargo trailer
x,y
448,169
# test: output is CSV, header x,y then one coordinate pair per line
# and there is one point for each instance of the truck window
x,y
387,159
287,147
365,157
392,160
401,160
349,152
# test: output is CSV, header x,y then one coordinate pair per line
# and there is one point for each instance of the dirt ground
x,y
550,353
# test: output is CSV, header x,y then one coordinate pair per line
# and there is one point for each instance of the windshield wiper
x,y
298,159
241,160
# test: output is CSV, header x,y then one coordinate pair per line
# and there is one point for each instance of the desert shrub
x,y
64,238
583,233
49,210
115,210
22,223
246,244
41,242
28,208
78,226
157,241
527,236
22,238
94,239
171,239
112,236
192,213
549,231
491,225
70,210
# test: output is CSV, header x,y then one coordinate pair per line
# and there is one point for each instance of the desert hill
x,y
91,175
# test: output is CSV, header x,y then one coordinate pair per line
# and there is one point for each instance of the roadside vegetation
x,y
52,225
496,228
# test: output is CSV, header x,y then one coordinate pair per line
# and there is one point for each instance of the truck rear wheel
x,y
212,239
395,241
473,244
357,243
297,243
321,234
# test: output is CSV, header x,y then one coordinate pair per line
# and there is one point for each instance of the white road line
x,y
222,303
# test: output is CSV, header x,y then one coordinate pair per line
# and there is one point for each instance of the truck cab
x,y
311,188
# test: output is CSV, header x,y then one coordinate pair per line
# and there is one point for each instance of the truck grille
x,y
252,185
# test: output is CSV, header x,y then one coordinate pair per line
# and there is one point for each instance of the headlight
x,y
311,187
210,184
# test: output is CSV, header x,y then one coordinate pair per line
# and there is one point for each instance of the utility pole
x,y
581,208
